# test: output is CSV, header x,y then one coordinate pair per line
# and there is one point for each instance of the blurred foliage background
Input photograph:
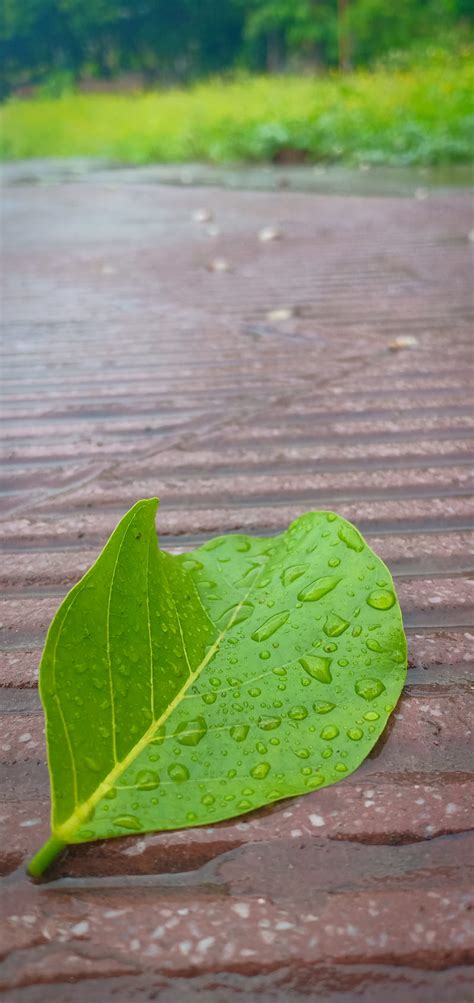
x,y
56,42
141,80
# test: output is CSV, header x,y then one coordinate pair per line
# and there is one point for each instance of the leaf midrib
x,y
66,830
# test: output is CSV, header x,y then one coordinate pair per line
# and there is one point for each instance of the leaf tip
x,y
146,504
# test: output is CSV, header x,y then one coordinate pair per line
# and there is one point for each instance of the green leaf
x,y
183,690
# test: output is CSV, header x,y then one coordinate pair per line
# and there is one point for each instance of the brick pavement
x,y
132,368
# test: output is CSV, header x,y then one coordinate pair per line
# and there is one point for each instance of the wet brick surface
x,y
133,367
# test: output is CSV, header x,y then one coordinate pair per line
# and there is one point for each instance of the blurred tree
x,y
60,40
377,27
276,30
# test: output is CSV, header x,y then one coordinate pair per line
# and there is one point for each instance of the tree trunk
x,y
343,36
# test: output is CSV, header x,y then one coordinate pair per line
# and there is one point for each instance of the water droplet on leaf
x,y
381,599
209,698
369,689
178,772
208,800
147,780
191,732
351,538
355,734
239,732
329,732
335,625
298,713
317,667
127,822
373,645
319,588
260,771
292,573
371,715
270,626
268,723
323,706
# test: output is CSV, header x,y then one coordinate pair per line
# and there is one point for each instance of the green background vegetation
x,y
176,80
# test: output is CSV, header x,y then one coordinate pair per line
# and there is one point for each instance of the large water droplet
x,y
373,645
335,625
351,538
319,588
270,626
191,732
208,800
260,771
318,668
239,732
298,713
323,706
178,773
302,753
382,599
292,573
355,734
147,780
369,689
209,698
267,723
329,732
127,822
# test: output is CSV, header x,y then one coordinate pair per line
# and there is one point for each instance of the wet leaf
x,y
180,690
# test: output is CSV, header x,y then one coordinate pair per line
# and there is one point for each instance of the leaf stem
x,y
44,858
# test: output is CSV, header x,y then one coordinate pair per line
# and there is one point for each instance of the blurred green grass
x,y
405,115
